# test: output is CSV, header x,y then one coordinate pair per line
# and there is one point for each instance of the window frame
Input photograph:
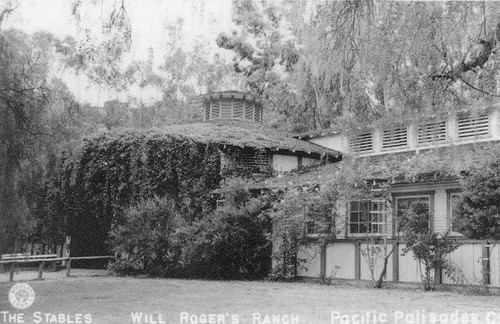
x,y
417,194
368,224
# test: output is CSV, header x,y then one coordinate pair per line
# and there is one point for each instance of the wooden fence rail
x,y
42,259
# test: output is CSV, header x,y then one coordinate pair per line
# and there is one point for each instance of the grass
x,y
112,299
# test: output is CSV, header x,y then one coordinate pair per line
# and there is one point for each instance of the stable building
x,y
234,119
368,229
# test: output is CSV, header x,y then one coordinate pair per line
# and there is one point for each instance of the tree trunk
x,y
380,280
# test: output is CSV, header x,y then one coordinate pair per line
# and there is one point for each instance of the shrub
x,y
300,212
478,207
143,243
429,248
232,242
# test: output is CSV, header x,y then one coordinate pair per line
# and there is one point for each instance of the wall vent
x,y
362,142
395,138
256,161
432,133
472,126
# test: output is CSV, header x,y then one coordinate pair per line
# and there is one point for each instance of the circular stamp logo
x,y
21,296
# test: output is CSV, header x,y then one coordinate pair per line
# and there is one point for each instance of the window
x,y
368,217
452,202
421,207
378,217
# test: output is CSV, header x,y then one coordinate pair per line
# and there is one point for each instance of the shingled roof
x,y
252,135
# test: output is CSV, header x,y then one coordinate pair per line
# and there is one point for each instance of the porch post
x,y
357,260
486,263
323,261
395,263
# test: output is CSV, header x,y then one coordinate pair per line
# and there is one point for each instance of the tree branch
x,y
6,12
477,89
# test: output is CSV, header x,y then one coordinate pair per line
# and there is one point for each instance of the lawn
x,y
114,299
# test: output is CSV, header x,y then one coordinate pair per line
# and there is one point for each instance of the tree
x,y
6,10
478,208
264,49
185,73
38,117
258,46
364,60
107,38
23,103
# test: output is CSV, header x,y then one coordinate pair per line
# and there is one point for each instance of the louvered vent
x,y
361,143
472,126
226,106
256,115
215,109
238,107
395,138
257,162
207,111
232,105
432,133
249,112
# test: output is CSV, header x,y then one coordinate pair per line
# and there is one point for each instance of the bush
x,y
430,249
144,243
478,207
232,242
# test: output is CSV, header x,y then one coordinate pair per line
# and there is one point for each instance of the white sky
x,y
205,18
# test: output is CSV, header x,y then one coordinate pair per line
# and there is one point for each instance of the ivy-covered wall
x,y
113,171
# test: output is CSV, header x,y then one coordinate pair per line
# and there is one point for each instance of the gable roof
x,y
252,135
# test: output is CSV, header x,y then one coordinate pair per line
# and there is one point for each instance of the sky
x,y
149,18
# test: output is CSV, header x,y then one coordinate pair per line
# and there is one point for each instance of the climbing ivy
x,y
115,170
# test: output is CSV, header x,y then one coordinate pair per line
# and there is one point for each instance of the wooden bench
x,y
41,259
